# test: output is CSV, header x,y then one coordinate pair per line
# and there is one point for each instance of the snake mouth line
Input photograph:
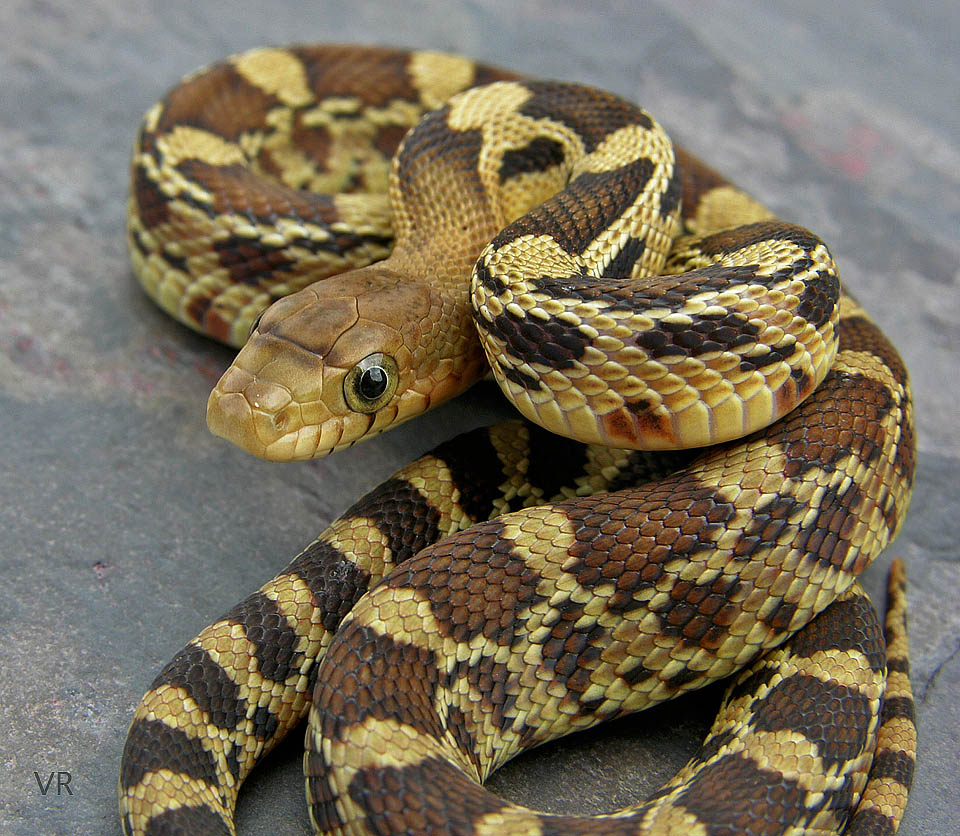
x,y
265,420
263,417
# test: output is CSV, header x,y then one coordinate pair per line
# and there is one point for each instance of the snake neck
x,y
299,387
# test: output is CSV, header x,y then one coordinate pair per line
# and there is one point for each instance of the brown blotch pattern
x,y
591,202
480,590
475,583
696,180
335,582
219,100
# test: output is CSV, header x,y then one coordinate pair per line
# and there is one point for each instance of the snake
x,y
716,441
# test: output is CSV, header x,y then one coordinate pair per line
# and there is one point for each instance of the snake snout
x,y
252,409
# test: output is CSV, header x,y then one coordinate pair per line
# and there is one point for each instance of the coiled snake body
x,y
624,295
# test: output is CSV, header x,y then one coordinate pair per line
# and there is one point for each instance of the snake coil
x,y
749,450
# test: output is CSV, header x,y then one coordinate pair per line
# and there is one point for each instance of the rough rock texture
x,y
126,527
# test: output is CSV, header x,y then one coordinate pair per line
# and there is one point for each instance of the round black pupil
x,y
372,383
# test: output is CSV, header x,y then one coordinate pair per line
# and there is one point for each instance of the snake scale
x,y
734,445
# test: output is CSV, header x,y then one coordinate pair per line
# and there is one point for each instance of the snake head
x,y
341,360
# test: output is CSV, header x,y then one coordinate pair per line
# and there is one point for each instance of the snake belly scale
x,y
514,586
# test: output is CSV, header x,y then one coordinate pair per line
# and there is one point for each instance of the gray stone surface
x,y
126,527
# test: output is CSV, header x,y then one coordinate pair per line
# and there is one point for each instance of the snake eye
x,y
370,383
